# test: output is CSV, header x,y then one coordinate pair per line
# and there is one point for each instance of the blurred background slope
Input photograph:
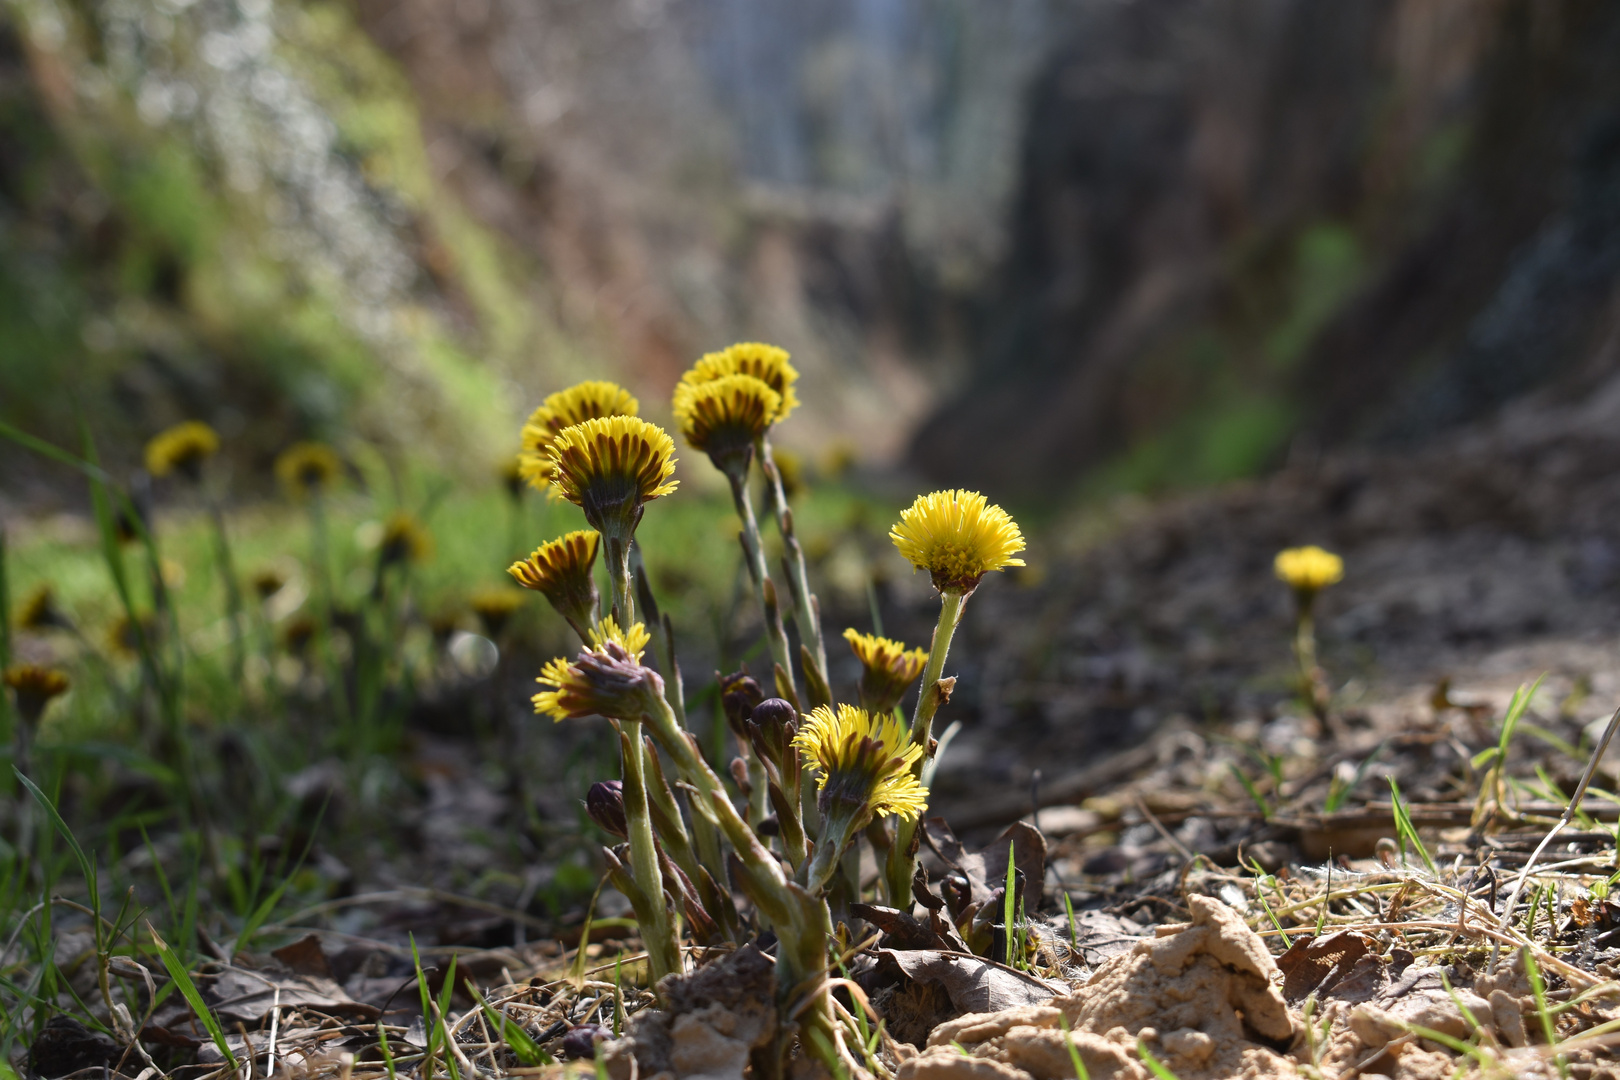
x,y
1049,249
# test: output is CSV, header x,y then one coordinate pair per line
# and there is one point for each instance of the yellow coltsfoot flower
x,y
41,612
606,679
308,468
723,417
183,449
862,761
1308,569
404,539
958,537
495,607
590,400
632,641
888,669
610,467
561,571
126,634
267,582
34,686
766,363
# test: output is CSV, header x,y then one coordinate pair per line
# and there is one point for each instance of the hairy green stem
x,y
658,930
837,828
764,590
806,611
620,582
901,864
1311,686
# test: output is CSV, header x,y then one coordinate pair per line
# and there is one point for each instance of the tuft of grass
x,y
1407,832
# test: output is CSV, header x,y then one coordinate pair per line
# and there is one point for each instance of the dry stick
x,y
1158,827
275,1021
1569,815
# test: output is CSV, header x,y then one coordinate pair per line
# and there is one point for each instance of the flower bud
x,y
773,723
604,802
580,1042
738,696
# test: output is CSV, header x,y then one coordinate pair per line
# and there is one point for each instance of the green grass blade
x,y
1254,792
85,866
1155,1066
1406,830
1008,899
188,989
387,1052
1080,1070
523,1047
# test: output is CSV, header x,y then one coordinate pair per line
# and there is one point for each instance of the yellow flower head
x,y
633,641
34,686
888,669
606,679
125,634
267,582
308,468
404,539
494,607
40,612
299,634
958,537
723,417
182,448
863,760
586,401
766,363
610,467
561,571
1308,569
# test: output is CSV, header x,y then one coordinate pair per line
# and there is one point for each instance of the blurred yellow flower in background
x,y
308,468
182,448
35,686
1308,569
404,539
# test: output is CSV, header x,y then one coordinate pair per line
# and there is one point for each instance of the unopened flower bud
x,y
738,696
773,723
580,1042
604,802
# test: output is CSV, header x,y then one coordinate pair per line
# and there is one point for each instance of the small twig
x,y
1158,827
275,1021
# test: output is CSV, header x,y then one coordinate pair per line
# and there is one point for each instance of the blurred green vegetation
x,y
148,275
1219,397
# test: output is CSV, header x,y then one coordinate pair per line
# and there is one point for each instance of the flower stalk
x,y
1307,571
901,864
806,609
658,929
764,587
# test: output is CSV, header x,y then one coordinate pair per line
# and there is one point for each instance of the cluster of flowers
x,y
788,844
